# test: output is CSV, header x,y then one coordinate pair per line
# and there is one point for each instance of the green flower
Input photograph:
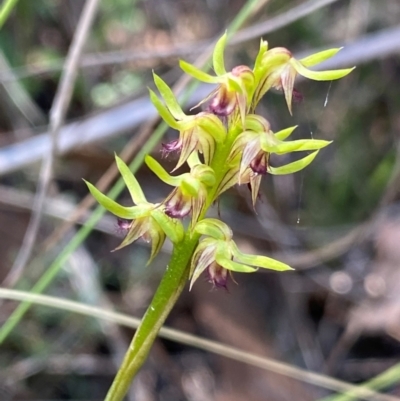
x,y
218,255
190,193
235,89
148,220
196,133
251,151
277,68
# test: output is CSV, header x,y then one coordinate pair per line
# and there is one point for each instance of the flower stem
x,y
171,286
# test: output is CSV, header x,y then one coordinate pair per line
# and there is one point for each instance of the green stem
x,y
171,286
5,10
168,291
383,380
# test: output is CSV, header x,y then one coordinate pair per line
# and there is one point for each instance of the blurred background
x,y
337,222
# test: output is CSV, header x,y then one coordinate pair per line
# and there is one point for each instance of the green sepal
x,y
258,65
320,75
157,240
281,147
163,111
285,133
256,123
190,185
169,98
293,167
214,228
319,57
233,84
218,55
204,173
226,263
213,126
258,260
159,171
173,228
131,182
198,74
128,213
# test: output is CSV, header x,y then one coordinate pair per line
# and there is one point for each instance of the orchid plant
x,y
225,145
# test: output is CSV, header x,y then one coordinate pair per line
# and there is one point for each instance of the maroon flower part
x,y
197,133
277,68
190,193
123,226
217,255
170,147
217,275
233,95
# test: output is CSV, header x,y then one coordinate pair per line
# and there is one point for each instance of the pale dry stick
x,y
198,342
280,21
119,57
57,117
116,121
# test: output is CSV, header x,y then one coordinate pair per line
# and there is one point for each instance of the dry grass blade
x,y
206,345
57,116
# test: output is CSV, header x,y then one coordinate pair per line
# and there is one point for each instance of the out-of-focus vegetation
x,y
337,222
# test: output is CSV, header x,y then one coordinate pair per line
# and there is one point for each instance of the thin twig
x,y
57,116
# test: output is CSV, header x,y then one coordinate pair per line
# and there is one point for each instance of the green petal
x,y
229,180
131,182
189,143
128,213
159,171
203,256
198,203
138,228
214,228
319,57
258,260
207,147
285,133
218,55
320,75
169,98
173,228
198,74
293,167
